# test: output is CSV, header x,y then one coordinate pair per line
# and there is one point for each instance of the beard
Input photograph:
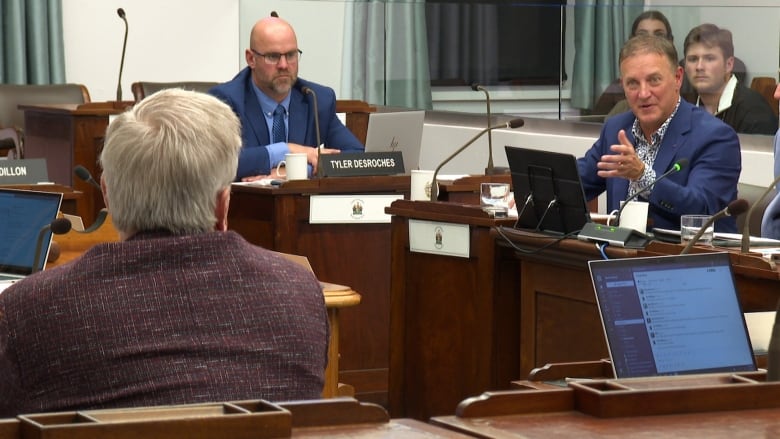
x,y
283,84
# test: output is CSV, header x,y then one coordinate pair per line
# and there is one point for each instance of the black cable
x,y
499,230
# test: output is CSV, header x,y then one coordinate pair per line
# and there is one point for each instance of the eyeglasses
x,y
291,57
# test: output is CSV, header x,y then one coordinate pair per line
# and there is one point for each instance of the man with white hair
x,y
180,310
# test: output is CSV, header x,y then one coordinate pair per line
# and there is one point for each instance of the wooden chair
x,y
765,86
357,116
143,89
12,119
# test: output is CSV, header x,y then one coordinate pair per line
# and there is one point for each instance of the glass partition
x,y
551,59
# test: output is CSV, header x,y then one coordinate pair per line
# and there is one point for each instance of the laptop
x,y
672,315
548,191
397,131
24,214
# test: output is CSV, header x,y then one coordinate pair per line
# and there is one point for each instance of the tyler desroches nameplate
x,y
354,164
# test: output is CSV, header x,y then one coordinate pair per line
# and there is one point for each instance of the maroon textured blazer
x,y
162,320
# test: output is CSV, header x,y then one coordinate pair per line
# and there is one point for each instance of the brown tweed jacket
x,y
159,320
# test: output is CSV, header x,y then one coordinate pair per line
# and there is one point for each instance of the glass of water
x,y
690,226
494,198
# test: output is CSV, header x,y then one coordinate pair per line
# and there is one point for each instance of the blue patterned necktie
x,y
279,131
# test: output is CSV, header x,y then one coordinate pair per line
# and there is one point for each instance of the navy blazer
x,y
706,186
254,158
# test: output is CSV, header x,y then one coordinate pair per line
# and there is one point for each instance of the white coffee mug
x,y
634,216
293,167
420,188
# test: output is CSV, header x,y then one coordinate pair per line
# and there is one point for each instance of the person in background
x,y
647,23
277,115
770,223
180,310
709,64
636,147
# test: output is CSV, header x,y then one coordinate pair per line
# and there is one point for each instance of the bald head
x,y
270,29
273,36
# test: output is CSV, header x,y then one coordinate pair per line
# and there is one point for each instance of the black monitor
x,y
548,191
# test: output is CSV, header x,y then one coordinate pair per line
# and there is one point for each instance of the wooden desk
x,y
559,319
454,328
68,135
73,244
356,254
717,406
334,418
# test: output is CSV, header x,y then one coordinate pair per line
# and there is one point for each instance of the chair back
x,y
751,193
143,89
765,86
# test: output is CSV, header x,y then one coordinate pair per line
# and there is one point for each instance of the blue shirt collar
x,y
268,105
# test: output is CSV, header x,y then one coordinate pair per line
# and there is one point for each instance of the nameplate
x,y
439,238
353,164
350,209
27,171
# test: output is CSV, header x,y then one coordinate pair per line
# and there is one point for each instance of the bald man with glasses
x,y
277,116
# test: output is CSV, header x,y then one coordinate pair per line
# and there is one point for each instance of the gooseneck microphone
x,y
489,170
59,226
514,123
736,207
746,226
83,174
319,145
677,167
121,13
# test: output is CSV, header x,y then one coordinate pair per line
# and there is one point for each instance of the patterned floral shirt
x,y
646,151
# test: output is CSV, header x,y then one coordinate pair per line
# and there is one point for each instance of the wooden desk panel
x,y
356,254
66,136
454,328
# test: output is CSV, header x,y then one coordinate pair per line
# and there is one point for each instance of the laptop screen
x,y
24,214
671,315
397,131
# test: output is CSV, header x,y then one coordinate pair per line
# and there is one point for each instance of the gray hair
x,y
642,44
166,159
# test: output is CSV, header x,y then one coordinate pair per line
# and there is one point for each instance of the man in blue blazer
x,y
637,147
270,80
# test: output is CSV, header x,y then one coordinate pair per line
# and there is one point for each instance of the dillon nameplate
x,y
27,171
353,164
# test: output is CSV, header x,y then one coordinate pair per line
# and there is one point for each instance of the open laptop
x,y
23,214
397,131
671,315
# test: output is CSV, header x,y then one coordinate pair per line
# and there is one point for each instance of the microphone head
x,y
60,226
515,123
121,13
307,90
475,86
738,207
82,173
681,164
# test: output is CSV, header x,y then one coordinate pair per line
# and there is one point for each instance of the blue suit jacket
x,y
254,158
706,186
770,223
